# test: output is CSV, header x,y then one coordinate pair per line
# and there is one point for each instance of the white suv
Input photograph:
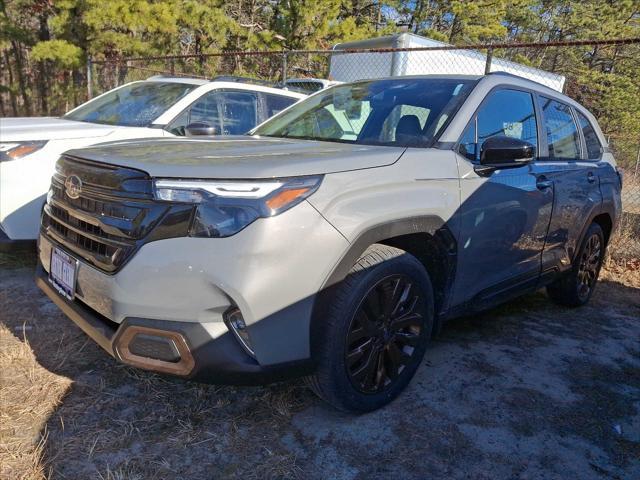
x,y
156,107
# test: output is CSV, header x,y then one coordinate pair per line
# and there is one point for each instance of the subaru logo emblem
x,y
73,186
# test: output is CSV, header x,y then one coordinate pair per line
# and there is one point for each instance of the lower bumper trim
x,y
210,360
182,367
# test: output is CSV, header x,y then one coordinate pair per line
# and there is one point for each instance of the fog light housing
x,y
235,322
162,351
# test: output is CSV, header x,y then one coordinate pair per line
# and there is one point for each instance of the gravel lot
x,y
527,391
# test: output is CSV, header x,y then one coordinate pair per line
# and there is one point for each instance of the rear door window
x,y
562,134
594,149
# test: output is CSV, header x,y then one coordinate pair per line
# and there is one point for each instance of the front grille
x,y
109,220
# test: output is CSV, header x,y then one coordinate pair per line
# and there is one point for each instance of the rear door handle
x,y
543,183
591,178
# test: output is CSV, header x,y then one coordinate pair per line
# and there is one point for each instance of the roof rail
x,y
254,81
513,75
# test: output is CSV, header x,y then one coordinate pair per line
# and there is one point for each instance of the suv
x,y
156,107
305,250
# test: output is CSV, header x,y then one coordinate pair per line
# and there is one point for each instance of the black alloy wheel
x,y
384,333
575,287
589,265
373,330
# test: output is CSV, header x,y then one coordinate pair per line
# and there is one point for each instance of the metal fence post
x,y
284,67
487,65
635,174
89,78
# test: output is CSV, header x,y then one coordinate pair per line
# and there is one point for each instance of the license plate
x,y
62,273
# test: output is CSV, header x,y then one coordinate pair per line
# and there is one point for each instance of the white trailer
x,y
348,67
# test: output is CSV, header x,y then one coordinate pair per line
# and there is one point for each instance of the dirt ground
x,y
527,391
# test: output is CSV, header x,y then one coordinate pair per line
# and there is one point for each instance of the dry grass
x,y
624,247
623,259
626,272
34,401
29,394
631,192
69,411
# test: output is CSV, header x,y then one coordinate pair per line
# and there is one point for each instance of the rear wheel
x,y
376,332
575,288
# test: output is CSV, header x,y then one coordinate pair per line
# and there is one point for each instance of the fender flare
x,y
600,210
429,224
422,224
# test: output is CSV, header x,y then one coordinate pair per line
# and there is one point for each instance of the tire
x,y
575,288
377,325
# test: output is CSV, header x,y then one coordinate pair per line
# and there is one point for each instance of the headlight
x,y
16,150
223,208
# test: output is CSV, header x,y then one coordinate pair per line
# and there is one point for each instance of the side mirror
x,y
199,128
502,152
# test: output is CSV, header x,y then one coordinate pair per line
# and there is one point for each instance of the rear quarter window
x,y
594,148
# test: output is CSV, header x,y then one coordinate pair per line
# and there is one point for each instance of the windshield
x,y
408,112
134,105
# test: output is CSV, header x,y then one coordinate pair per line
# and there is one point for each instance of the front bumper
x,y
186,285
206,359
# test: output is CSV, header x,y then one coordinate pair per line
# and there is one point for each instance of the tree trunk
x,y
12,95
43,35
455,26
415,17
22,81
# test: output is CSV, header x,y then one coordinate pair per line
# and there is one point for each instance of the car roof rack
x,y
254,81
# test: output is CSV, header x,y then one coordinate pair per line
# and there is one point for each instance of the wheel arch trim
x,y
597,212
428,224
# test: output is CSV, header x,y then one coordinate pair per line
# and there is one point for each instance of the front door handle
x,y
591,178
543,183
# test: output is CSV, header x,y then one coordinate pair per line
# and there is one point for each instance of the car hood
x,y
49,128
239,156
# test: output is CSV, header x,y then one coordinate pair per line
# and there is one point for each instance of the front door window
x,y
506,113
229,112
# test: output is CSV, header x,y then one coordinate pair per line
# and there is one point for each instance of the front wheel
x,y
575,288
376,331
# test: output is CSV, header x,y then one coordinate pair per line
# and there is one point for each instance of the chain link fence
x,y
582,70
625,246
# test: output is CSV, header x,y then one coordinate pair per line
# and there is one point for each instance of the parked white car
x,y
156,107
